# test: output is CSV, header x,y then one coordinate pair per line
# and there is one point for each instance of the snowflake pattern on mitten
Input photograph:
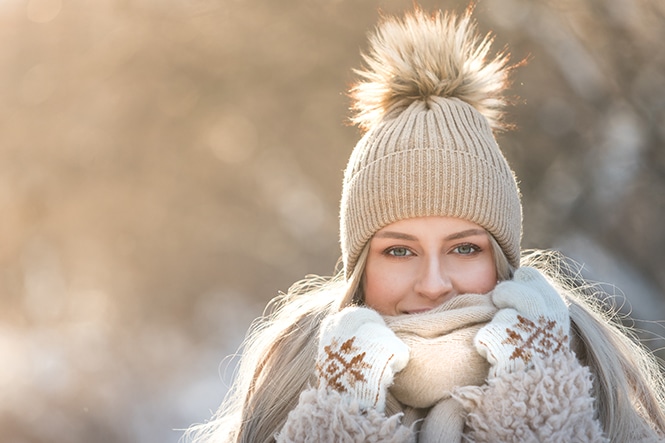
x,y
544,337
343,365
532,322
358,356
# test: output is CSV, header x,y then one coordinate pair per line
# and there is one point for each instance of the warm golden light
x,y
167,166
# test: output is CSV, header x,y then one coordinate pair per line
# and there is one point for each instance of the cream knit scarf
x,y
442,357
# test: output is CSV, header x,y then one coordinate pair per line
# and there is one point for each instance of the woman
x,y
436,329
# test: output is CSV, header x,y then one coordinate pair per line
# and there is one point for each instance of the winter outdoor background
x,y
167,166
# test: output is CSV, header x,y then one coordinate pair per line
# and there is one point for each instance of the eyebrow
x,y
466,233
455,236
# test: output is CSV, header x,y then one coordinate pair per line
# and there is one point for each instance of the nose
x,y
434,282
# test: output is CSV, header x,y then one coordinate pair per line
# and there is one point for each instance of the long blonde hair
x,y
279,353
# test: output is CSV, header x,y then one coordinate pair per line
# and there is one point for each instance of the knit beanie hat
x,y
429,99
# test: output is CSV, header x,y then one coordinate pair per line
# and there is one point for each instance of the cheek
x,y
375,288
479,279
382,290
486,285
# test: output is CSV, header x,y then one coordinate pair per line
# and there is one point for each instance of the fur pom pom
x,y
421,56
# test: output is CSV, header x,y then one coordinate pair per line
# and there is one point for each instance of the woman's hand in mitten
x,y
532,323
359,355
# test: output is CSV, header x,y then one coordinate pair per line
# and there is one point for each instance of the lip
x,y
417,311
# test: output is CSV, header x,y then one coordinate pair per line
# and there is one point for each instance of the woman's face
x,y
416,264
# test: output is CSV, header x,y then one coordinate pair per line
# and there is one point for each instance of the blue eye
x,y
466,249
399,252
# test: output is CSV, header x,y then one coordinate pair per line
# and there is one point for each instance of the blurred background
x,y
168,166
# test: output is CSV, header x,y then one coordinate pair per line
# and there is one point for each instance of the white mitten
x,y
532,322
359,356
